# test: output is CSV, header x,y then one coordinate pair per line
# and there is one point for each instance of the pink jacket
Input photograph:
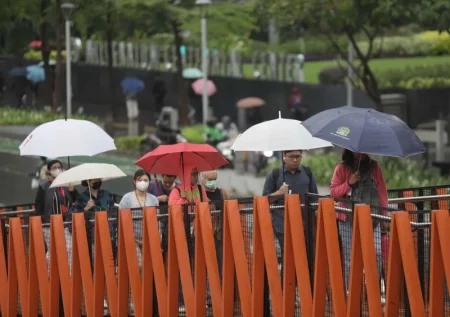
x,y
339,187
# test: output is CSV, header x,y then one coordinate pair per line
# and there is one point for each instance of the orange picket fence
x,y
32,284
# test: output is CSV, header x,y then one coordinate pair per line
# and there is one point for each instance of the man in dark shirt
x,y
292,178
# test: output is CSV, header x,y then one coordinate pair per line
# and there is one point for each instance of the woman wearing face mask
x,y
139,198
94,198
51,201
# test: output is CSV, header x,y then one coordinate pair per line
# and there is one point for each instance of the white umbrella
x,y
70,137
87,171
278,135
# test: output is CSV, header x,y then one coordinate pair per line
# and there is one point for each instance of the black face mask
x,y
96,185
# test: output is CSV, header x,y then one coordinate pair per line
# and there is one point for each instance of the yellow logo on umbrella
x,y
344,131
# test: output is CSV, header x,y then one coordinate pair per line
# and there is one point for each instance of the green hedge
x,y
418,77
37,55
398,173
194,134
11,116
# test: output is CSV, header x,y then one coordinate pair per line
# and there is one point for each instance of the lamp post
x,y
203,4
67,9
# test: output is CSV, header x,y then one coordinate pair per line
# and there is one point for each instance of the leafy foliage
x,y
12,116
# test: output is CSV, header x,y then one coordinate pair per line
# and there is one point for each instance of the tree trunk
x,y
183,105
45,49
112,99
59,23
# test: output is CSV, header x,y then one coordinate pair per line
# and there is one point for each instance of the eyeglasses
x,y
294,157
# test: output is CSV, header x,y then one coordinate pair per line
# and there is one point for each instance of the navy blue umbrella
x,y
365,131
132,85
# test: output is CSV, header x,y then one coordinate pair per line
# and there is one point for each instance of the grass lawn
x,y
312,69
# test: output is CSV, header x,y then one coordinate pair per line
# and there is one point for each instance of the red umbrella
x,y
250,102
171,159
35,44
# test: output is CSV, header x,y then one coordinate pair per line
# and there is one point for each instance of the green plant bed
x,y
398,173
12,116
193,134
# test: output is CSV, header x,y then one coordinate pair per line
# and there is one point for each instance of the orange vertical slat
x,y
295,223
436,269
227,263
200,268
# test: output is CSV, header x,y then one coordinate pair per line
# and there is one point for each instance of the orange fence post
x,y
200,267
436,268
294,222
227,263
212,266
401,253
172,269
440,260
147,270
327,248
15,227
363,258
127,241
37,265
184,266
257,289
288,260
123,281
152,243
3,277
81,266
262,217
240,259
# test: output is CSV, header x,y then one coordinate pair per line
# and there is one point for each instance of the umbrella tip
x,y
279,114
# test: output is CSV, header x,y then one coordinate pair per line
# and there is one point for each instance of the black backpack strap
x,y
275,176
310,176
200,190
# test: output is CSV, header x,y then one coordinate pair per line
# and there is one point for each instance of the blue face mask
x,y
211,184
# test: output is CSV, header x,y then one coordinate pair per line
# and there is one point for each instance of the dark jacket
x,y
48,202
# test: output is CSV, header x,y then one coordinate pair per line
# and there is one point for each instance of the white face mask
x,y
56,172
142,186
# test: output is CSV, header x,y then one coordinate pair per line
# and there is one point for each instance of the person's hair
x,y
203,175
289,151
84,183
169,175
349,160
140,173
53,162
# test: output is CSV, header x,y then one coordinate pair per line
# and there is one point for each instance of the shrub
x,y
422,44
333,75
194,134
425,76
37,55
12,116
130,143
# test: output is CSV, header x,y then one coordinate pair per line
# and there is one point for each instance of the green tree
x,y
370,18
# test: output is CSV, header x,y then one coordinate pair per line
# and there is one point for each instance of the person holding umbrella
x,y
190,191
359,178
94,198
52,201
162,188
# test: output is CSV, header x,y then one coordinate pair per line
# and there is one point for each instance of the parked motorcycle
x,y
163,135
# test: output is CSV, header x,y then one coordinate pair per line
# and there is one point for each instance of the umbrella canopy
x,y
36,44
171,159
18,71
250,102
132,85
192,73
76,175
70,137
35,74
365,131
197,86
278,135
